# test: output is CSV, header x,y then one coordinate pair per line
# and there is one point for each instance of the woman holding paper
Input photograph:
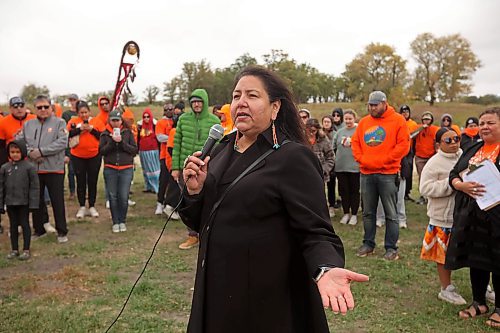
x,y
475,240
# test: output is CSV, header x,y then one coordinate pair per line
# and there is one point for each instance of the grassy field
x,y
80,286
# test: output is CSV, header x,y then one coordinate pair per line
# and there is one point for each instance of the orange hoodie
x,y
103,115
379,144
10,126
228,122
163,126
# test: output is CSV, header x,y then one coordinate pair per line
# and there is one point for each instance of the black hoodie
x,y
19,184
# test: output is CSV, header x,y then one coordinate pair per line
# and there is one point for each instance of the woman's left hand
x,y
335,289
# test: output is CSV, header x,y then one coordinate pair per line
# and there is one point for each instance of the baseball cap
x,y
115,114
73,96
16,100
195,99
377,97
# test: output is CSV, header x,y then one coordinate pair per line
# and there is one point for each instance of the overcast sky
x,y
75,46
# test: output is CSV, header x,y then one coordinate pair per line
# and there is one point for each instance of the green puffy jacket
x,y
192,131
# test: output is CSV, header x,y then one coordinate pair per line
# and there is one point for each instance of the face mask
x,y
472,131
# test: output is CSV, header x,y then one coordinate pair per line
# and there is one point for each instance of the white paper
x,y
488,176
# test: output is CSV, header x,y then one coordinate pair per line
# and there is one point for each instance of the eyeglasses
x,y
18,105
304,117
104,103
43,107
146,117
455,139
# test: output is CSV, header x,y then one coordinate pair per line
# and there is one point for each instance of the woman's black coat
x,y
259,252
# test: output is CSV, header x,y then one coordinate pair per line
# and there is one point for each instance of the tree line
x,y
444,69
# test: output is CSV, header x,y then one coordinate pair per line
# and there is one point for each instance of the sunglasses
x,y
43,107
336,115
168,109
455,139
304,117
446,119
18,105
146,117
104,103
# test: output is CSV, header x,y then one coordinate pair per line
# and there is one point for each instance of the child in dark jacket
x,y
19,191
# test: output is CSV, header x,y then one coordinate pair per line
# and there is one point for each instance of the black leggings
x,y
479,280
164,181
349,191
87,172
19,216
330,187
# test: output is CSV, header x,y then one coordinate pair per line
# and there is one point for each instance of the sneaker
x,y
408,198
331,211
159,208
364,250
107,204
24,256
122,227
131,203
13,254
391,254
421,201
81,212
62,239
353,220
37,236
49,228
190,242
168,210
403,225
116,228
490,295
450,295
93,212
380,223
345,219
337,204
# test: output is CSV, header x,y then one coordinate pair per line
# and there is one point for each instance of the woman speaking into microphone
x,y
269,259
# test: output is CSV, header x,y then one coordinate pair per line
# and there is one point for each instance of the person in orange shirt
x,y
407,162
447,121
424,145
379,143
58,111
224,114
104,108
163,127
11,124
84,134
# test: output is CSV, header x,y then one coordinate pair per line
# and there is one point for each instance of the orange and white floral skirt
x,y
435,244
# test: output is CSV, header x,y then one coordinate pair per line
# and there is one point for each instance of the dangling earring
x,y
275,139
235,147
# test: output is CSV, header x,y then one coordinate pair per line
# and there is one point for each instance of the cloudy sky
x,y
75,46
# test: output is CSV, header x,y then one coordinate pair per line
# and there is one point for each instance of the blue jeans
x,y
373,187
118,187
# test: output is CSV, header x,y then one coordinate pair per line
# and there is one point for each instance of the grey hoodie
x,y
51,138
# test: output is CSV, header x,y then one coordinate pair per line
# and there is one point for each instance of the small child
x,y
19,191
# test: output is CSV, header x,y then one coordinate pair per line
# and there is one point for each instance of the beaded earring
x,y
235,147
275,138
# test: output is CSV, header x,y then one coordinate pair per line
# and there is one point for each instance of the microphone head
x,y
216,132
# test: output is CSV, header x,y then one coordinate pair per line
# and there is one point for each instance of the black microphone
x,y
216,133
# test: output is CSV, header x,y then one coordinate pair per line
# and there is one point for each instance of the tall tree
x,y
151,92
31,90
445,66
377,68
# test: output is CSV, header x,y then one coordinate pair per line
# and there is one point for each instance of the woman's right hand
x,y
195,173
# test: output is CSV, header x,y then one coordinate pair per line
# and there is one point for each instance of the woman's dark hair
x,y
493,110
82,104
287,120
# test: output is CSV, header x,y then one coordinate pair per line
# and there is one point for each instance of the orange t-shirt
x,y
88,146
163,126
425,142
10,126
170,144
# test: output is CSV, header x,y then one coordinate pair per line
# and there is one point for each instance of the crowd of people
x,y
371,158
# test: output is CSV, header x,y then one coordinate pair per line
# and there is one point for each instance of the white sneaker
x,y
380,223
107,204
450,295
93,212
159,208
490,295
116,228
168,210
62,239
331,211
403,225
353,220
81,212
122,227
345,218
49,228
131,203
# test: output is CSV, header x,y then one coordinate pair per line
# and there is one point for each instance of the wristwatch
x,y
320,272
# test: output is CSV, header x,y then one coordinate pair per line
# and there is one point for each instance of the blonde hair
x,y
351,112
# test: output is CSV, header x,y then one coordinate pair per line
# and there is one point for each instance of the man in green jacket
x,y
192,132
